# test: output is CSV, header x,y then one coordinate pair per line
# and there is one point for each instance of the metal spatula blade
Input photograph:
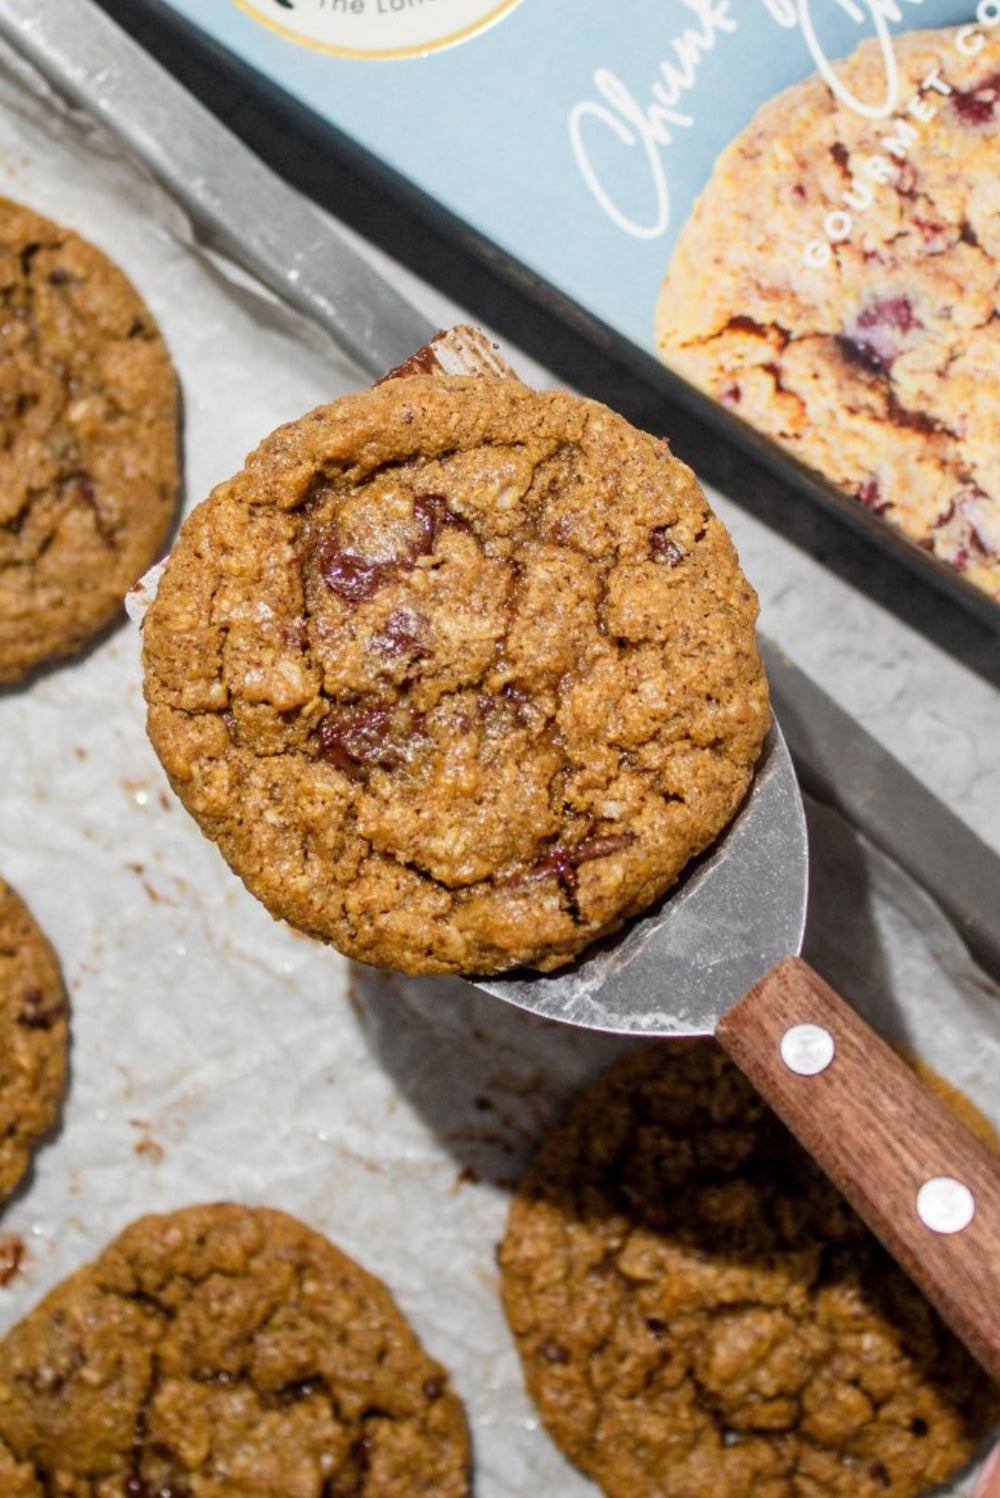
x,y
735,914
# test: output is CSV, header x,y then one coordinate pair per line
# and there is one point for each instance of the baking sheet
x,y
218,1054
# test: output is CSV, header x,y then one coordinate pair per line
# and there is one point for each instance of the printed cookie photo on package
x,y
836,286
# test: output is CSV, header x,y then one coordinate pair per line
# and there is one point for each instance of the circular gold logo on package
x,y
377,28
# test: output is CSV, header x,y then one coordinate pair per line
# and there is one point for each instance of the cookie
x,y
34,1038
699,1312
88,440
223,1351
457,674
837,284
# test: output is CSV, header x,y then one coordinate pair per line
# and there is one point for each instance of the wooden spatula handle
x,y
926,1186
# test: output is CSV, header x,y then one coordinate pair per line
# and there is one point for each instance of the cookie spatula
x,y
718,955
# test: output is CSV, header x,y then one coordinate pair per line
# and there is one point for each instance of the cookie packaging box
x,y
784,212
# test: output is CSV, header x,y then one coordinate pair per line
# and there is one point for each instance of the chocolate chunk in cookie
x,y
34,1038
225,1350
458,675
699,1312
88,440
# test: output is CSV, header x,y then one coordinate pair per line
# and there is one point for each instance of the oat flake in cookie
x,y
34,1038
700,1313
457,674
880,364
225,1351
88,457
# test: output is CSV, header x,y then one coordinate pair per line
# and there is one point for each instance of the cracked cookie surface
x,y
225,1352
88,440
880,368
34,1038
699,1312
458,675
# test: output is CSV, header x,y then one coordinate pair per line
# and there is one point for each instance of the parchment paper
x,y
217,1054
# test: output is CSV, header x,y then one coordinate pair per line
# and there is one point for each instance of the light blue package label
x,y
579,137
573,134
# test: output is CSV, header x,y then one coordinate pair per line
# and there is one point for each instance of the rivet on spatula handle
x,y
923,1183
